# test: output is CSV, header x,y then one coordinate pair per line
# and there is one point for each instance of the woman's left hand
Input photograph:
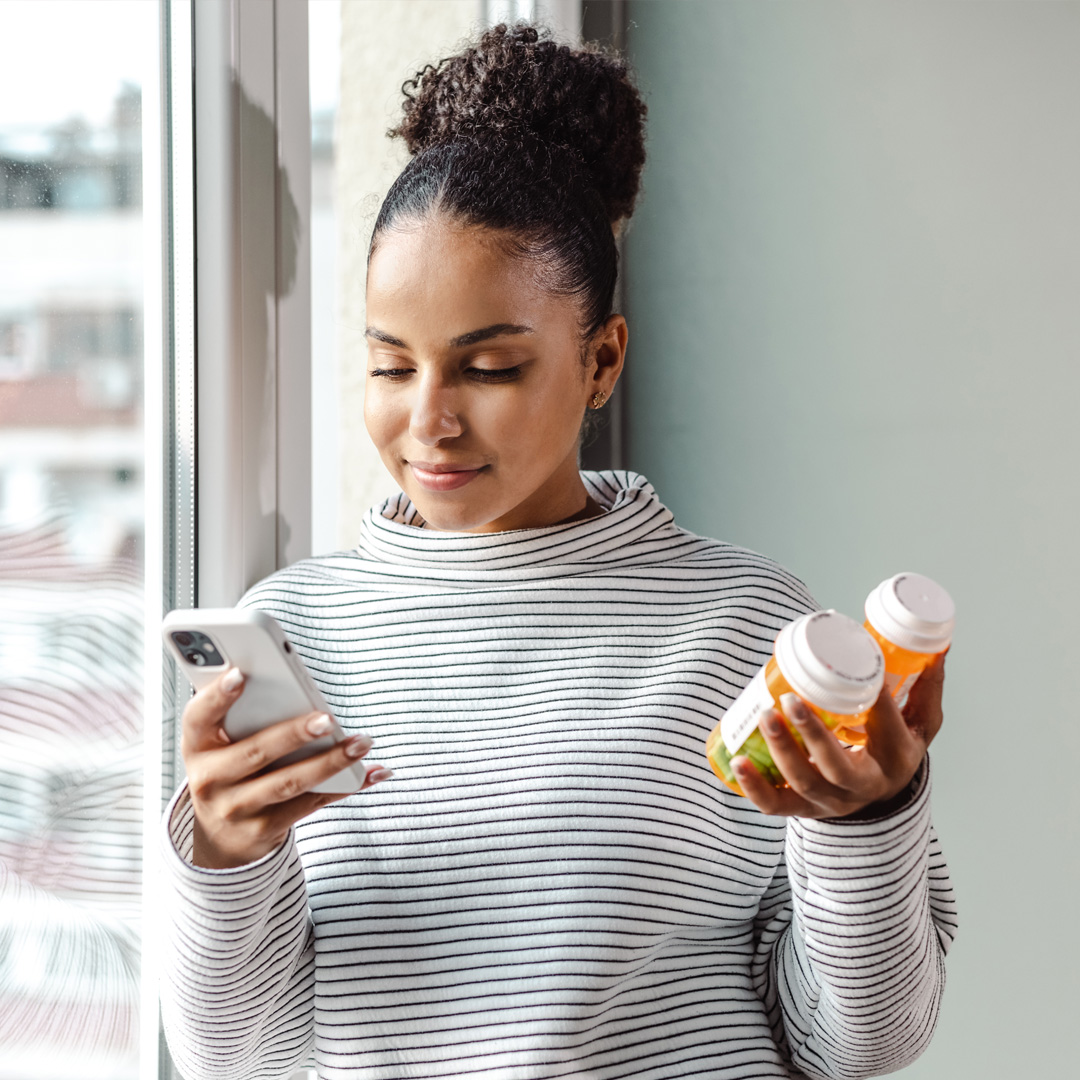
x,y
826,780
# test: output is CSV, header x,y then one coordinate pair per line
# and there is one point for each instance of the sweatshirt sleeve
x,y
852,935
238,960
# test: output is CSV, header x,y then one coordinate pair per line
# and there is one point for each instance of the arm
x,y
849,955
238,961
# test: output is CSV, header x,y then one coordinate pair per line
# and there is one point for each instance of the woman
x,y
553,884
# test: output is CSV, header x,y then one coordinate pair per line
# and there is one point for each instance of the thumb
x,y
204,717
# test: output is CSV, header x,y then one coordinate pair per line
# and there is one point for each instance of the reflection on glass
x,y
71,534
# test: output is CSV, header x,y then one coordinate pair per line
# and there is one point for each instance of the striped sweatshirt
x,y
554,885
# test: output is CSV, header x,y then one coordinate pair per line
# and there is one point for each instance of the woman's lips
x,y
443,477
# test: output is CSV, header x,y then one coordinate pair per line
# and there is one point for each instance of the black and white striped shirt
x,y
554,885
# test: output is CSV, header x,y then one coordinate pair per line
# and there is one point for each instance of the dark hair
x,y
540,141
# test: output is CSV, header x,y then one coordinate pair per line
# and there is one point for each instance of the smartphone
x,y
277,686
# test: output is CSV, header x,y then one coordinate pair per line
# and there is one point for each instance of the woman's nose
x,y
435,415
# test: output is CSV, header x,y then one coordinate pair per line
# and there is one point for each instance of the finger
x,y
802,775
204,714
826,754
281,785
249,756
273,826
889,740
302,805
264,832
279,819
923,713
780,802
376,774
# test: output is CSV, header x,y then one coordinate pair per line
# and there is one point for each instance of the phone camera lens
x,y
183,638
196,658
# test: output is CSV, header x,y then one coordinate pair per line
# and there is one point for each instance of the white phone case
x,y
277,686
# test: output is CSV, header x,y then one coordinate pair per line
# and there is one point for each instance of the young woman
x,y
553,884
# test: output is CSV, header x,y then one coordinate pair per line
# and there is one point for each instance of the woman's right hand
x,y
241,816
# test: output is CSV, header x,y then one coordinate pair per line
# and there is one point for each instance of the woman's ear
x,y
607,355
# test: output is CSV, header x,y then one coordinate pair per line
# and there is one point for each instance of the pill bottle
x,y
912,618
829,661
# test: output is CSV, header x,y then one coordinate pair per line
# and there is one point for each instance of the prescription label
x,y
745,713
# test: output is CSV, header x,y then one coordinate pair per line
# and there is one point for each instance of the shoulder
x,y
737,567
737,582
649,544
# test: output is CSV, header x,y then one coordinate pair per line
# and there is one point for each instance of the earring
x,y
597,399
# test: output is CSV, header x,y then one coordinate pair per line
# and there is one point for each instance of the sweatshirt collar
x,y
632,514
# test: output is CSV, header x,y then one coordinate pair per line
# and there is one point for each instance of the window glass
x,y
71,535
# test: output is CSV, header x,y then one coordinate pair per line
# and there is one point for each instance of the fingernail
x,y
740,765
357,745
233,678
772,723
793,708
377,776
223,736
319,725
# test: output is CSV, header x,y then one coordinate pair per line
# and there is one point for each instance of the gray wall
x,y
854,303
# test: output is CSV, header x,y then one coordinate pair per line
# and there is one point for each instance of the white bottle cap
x,y
831,662
913,612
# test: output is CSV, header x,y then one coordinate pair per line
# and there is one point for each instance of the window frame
x,y
227,391
253,426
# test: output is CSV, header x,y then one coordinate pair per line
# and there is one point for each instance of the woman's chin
x,y
449,514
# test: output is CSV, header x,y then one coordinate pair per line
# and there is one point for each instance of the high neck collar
x,y
632,513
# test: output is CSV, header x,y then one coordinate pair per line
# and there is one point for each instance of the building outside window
x,y
71,538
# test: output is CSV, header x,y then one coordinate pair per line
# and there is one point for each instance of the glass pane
x,y
71,535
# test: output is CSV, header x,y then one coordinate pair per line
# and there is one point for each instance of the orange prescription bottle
x,y
829,661
912,618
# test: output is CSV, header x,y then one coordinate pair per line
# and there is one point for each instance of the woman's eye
x,y
495,374
390,373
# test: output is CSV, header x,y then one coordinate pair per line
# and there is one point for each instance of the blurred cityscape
x,y
71,329
71,535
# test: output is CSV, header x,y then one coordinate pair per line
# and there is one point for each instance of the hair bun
x,y
515,85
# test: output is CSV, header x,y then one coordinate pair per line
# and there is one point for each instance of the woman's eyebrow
x,y
498,330
471,338
381,335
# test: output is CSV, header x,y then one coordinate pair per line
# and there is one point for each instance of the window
x,y
72,473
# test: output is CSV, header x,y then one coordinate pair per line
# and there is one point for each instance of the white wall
x,y
854,302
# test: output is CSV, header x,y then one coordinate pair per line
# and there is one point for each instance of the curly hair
x,y
540,141
515,82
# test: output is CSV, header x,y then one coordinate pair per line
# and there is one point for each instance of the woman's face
x,y
475,382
